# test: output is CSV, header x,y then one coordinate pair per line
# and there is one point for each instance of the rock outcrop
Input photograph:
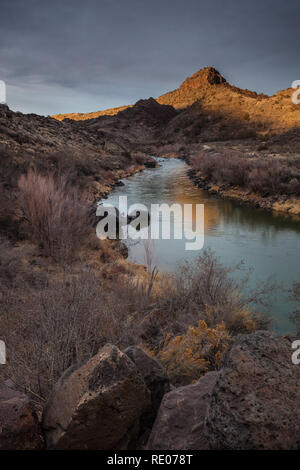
x,y
193,88
253,402
19,427
97,406
180,422
256,400
156,379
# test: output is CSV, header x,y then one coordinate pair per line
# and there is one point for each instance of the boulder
x,y
19,427
98,405
150,163
180,421
256,400
157,381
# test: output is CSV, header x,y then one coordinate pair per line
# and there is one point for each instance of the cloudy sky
x,y
78,56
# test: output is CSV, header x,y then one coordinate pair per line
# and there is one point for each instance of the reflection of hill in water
x,y
221,211
170,184
257,219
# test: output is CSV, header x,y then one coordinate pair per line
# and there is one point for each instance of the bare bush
x,y
204,290
62,320
295,316
65,323
265,176
12,268
170,149
55,216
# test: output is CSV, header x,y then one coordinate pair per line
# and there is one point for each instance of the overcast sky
x,y
80,56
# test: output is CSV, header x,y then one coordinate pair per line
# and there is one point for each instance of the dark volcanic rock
x,y
253,402
93,153
19,427
97,406
148,112
180,421
256,401
150,163
156,379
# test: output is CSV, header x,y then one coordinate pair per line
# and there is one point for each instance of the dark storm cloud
x,y
76,56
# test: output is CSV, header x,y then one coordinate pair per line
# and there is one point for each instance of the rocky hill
x,y
193,87
93,115
94,153
219,111
204,109
207,95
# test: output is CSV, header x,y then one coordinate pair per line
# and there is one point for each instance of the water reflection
x,y
268,242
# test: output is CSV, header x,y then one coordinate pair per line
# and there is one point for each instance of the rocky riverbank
x,y
264,175
74,380
283,204
122,400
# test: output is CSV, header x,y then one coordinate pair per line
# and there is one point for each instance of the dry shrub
x,y
295,316
55,216
50,329
238,318
11,275
139,158
8,177
8,223
9,167
55,327
53,321
207,290
15,270
170,149
64,321
263,175
188,356
10,263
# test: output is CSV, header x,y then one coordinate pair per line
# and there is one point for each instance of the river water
x,y
267,242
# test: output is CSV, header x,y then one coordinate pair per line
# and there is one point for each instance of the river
x,y
267,242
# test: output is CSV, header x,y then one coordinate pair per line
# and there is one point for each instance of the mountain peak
x,y
193,88
204,77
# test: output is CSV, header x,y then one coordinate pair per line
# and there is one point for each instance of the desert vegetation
x,y
191,354
295,316
64,294
266,176
54,215
57,307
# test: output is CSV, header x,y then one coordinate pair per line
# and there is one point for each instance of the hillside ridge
x,y
207,92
